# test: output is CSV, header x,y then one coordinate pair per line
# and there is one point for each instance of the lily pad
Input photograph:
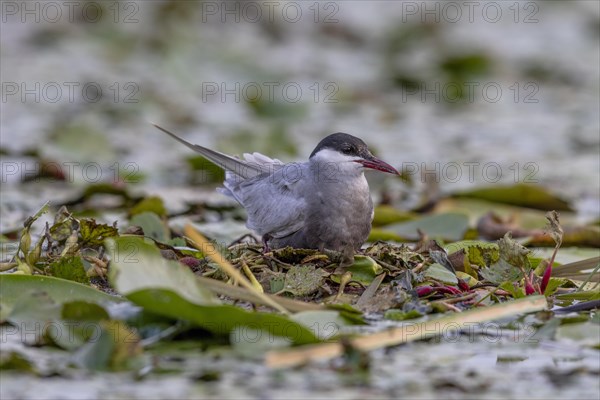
x,y
93,233
585,333
70,268
152,225
440,273
449,226
302,280
170,289
13,286
363,270
152,204
523,195
385,215
117,347
324,324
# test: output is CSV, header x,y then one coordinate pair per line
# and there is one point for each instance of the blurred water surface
x,y
482,93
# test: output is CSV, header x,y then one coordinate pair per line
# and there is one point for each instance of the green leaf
x,y
152,225
93,233
520,195
324,324
400,315
12,360
586,333
218,319
478,252
13,286
515,291
32,312
302,280
553,284
449,226
588,295
500,272
385,215
364,270
116,347
440,273
43,210
513,252
168,288
137,264
513,261
83,311
152,204
70,268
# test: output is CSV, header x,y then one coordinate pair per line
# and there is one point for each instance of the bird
x,y
323,203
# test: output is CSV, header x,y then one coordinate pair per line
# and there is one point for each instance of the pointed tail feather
x,y
228,163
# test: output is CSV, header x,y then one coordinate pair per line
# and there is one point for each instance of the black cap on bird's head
x,y
352,146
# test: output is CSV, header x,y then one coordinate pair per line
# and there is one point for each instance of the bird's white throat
x,y
336,161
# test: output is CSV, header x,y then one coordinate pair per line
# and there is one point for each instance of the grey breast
x,y
338,213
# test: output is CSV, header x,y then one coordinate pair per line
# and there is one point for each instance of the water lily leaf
x,y
167,288
137,264
59,231
39,304
501,271
253,343
13,286
470,280
153,204
440,273
32,313
449,226
512,263
363,270
70,268
219,319
553,284
586,333
104,188
152,225
116,347
523,195
12,360
302,280
385,215
401,315
83,311
478,253
93,233
515,290
324,324
379,234
584,295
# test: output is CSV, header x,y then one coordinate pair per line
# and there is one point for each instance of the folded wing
x,y
274,201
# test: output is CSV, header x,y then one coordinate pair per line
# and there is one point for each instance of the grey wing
x,y
274,201
252,166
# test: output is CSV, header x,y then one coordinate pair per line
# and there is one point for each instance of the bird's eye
x,y
347,150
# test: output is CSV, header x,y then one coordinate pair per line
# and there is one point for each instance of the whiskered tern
x,y
323,203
